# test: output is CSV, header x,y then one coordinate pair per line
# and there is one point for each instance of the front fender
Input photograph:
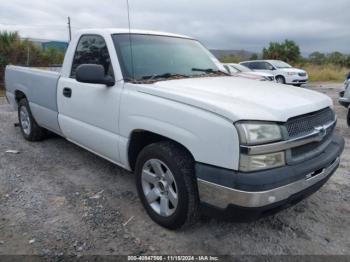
x,y
210,138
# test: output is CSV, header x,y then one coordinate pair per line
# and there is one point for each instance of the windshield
x,y
241,68
280,64
153,56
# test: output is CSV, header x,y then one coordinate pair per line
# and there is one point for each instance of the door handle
x,y
67,92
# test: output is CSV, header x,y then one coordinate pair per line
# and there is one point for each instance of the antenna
x,y
69,29
130,42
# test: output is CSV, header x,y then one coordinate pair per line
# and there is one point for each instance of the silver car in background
x,y
344,95
241,70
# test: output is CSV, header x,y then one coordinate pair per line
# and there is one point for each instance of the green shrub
x,y
326,73
15,51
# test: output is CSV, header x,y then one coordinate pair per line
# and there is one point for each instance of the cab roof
x,y
126,31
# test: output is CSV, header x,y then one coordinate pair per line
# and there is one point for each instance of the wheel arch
x,y
280,75
284,79
141,138
19,95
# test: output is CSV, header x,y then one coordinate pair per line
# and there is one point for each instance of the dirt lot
x,y
56,198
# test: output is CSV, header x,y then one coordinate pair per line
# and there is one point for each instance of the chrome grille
x,y
309,148
305,124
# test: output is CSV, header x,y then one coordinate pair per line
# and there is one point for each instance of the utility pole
x,y
28,55
69,29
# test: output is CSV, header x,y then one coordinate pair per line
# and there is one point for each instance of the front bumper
x,y
296,80
267,189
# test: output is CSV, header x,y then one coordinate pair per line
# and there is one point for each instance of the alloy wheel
x,y
25,120
159,187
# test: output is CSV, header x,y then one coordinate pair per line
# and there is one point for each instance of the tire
x,y
298,85
280,80
348,117
30,130
168,156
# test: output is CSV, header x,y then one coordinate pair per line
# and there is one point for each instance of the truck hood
x,y
240,99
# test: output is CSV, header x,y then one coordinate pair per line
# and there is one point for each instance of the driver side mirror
x,y
93,74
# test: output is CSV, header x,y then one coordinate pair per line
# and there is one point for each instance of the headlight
x,y
258,162
292,73
254,133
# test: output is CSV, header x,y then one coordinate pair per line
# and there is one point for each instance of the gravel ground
x,y
56,198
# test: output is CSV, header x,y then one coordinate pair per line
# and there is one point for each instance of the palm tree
x,y
7,38
8,42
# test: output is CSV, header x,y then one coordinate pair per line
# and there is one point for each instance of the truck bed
x,y
40,88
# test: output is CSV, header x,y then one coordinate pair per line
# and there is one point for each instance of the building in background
x,y
46,44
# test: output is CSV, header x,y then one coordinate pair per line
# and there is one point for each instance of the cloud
x,y
226,24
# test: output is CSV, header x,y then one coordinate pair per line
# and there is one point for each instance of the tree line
x,y
289,51
14,50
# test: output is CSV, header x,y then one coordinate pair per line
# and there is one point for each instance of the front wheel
x,y
280,80
166,184
31,131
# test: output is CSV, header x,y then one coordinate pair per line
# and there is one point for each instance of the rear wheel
x,y
31,131
166,184
280,80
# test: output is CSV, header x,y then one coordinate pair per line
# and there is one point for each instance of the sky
x,y
316,25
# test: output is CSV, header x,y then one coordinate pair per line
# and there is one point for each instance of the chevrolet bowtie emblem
x,y
322,132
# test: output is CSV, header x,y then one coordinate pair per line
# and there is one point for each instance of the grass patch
x,y
2,92
326,73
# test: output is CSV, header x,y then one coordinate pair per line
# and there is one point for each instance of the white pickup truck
x,y
160,105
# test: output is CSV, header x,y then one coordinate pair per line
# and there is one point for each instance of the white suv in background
x,y
283,72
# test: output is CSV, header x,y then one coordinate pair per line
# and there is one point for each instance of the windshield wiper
x,y
209,71
165,75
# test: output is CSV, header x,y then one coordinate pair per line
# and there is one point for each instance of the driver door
x,y
88,113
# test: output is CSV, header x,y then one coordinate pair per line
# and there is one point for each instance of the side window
x,y
260,65
267,66
247,65
92,49
254,65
